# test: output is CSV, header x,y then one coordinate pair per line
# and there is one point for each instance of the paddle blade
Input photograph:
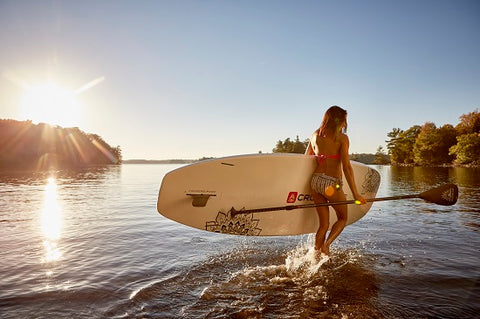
x,y
444,195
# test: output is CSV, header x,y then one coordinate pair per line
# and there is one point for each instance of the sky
x,y
188,79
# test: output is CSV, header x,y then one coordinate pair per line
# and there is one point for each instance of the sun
x,y
51,103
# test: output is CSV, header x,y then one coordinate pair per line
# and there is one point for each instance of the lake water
x,y
90,244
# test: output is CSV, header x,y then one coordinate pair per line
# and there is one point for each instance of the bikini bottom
x,y
325,185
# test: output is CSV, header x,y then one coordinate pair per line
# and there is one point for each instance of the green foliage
x,y
469,123
381,158
429,145
467,149
448,138
419,145
401,143
288,146
432,145
26,145
363,158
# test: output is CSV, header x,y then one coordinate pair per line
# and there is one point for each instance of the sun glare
x,y
52,104
51,221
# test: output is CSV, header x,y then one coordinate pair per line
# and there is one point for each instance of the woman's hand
x,y
360,200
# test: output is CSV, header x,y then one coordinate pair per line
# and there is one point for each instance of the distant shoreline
x,y
189,161
170,161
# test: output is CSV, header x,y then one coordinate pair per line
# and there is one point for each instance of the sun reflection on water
x,y
51,221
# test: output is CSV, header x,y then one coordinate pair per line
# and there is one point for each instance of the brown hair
x,y
332,119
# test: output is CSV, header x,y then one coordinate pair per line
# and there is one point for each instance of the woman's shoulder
x,y
343,138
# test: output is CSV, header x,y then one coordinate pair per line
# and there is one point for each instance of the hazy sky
x,y
186,79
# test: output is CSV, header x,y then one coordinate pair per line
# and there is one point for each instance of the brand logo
x,y
294,196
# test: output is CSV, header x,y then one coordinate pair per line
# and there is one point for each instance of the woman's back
x,y
327,149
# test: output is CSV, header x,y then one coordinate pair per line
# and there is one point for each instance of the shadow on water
x,y
262,283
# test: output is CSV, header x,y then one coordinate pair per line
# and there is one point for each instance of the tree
x,y
117,153
469,123
432,145
400,145
467,149
380,157
448,138
288,146
429,145
41,147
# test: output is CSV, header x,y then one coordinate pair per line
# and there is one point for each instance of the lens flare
x,y
51,221
329,191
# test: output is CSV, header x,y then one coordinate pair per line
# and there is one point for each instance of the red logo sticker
x,y
292,197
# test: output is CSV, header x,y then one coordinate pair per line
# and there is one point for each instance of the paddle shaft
x,y
347,202
443,195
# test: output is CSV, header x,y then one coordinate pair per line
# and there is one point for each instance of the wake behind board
x,y
202,195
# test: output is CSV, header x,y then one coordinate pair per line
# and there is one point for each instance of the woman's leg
x,y
339,225
323,220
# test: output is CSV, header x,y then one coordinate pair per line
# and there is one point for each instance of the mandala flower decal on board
x,y
371,182
236,224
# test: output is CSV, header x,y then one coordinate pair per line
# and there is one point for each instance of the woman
x,y
330,146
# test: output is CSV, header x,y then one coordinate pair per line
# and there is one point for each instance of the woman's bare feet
x,y
317,254
326,250
320,256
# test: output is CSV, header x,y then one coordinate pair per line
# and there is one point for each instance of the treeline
x,y
41,146
298,146
426,145
379,158
289,146
429,145
169,161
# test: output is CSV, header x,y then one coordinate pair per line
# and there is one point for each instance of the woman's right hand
x,y
360,199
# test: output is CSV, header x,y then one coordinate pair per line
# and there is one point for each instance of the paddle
x,y
444,195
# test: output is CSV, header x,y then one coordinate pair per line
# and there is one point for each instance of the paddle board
x,y
206,195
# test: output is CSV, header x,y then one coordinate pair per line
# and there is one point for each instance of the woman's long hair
x,y
333,118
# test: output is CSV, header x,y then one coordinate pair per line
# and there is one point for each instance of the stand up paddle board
x,y
216,195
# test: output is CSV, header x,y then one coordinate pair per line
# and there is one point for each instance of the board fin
x,y
200,200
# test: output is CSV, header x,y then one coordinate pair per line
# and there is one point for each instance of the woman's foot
x,y
326,250
320,256
317,254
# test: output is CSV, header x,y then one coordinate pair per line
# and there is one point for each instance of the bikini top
x,y
322,157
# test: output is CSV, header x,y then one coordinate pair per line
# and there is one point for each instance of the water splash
x,y
302,280
304,262
257,279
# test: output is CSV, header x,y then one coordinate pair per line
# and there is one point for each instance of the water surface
x,y
90,244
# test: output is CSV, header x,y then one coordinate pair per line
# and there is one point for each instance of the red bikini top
x,y
322,157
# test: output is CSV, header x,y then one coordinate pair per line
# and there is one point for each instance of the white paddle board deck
x,y
202,195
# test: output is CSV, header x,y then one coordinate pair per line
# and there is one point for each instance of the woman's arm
x,y
347,168
309,150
